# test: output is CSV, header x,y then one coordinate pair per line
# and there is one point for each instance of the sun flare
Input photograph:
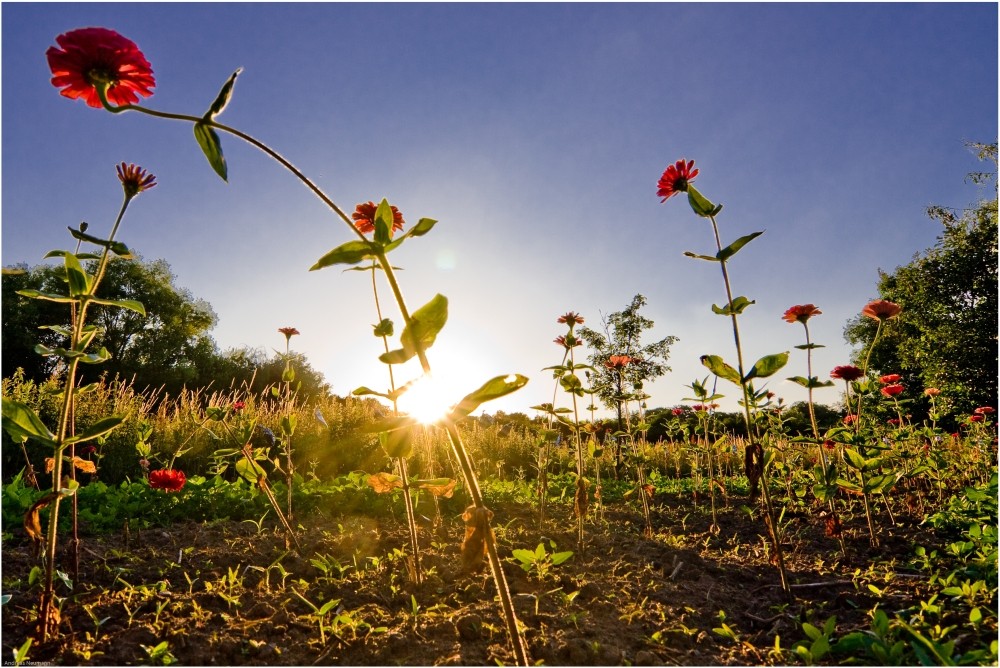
x,y
428,399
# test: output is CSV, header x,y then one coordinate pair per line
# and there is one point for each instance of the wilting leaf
x,y
210,145
84,465
441,487
32,523
383,483
477,529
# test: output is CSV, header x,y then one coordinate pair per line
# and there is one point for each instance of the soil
x,y
231,593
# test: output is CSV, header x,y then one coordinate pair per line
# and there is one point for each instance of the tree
x,y
22,317
622,335
946,335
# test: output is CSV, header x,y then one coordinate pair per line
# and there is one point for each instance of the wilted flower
x,y
932,391
889,378
675,179
571,318
846,372
881,309
801,313
169,480
92,57
892,390
134,179
88,449
618,362
144,463
364,218
829,445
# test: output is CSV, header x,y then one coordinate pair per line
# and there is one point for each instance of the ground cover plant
x,y
242,526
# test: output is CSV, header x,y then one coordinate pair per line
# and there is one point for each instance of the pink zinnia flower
x,y
850,418
618,362
932,391
134,179
675,179
90,57
570,318
984,410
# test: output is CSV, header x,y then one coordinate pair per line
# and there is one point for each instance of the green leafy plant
x,y
540,561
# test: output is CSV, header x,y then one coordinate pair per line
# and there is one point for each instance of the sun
x,y
429,399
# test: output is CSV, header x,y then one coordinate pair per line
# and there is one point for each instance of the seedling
x,y
540,561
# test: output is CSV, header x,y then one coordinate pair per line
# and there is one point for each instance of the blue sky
x,y
535,134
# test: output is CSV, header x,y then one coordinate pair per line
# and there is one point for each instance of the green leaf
x,y
854,458
700,204
99,428
812,382
210,145
809,346
365,391
116,247
490,390
701,257
421,331
79,281
738,306
288,423
398,443
733,248
767,366
384,328
47,296
383,223
21,422
423,226
222,99
130,304
716,365
351,252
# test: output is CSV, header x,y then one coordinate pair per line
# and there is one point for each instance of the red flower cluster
x,y
364,218
675,179
92,57
801,313
846,372
892,390
618,362
169,480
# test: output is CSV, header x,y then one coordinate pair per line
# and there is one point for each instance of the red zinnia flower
x,y
134,179
881,309
90,57
675,179
984,410
678,411
801,313
289,332
976,418
169,480
364,218
850,418
932,391
238,406
890,378
892,390
571,342
894,422
571,318
698,408
846,372
829,445
618,362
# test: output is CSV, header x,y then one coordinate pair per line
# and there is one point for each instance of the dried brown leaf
x,y
477,528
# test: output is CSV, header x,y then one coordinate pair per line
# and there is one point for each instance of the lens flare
x,y
428,400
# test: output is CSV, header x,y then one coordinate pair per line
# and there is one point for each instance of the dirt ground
x,y
231,594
